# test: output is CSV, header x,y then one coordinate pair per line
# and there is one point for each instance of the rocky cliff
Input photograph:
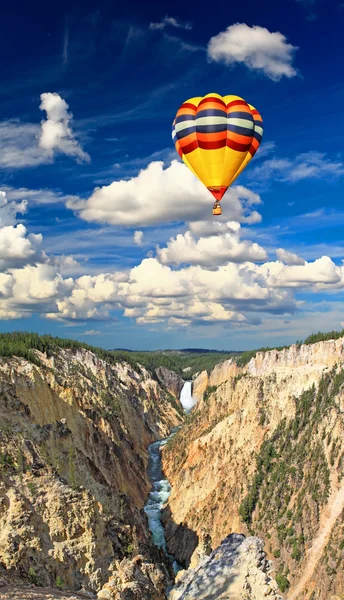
x,y
74,432
237,569
263,452
170,380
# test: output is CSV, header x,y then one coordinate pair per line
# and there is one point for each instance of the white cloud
x,y
220,282
256,47
10,209
29,145
158,195
56,133
210,251
170,21
16,247
289,258
210,228
309,165
40,196
19,147
91,332
138,238
320,274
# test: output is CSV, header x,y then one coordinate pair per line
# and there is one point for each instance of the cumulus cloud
x,y
56,134
10,209
152,292
308,165
170,21
156,293
210,251
138,238
16,247
256,47
207,275
29,145
320,274
289,258
161,195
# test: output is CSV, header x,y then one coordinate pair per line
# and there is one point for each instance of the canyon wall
x,y
263,453
74,433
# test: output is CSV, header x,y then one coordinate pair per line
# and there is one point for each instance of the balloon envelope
x,y
216,137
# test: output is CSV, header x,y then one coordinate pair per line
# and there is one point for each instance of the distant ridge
x,y
179,351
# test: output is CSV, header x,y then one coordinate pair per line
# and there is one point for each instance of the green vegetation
x,y
210,390
59,582
6,461
282,582
246,356
322,337
291,483
24,343
32,575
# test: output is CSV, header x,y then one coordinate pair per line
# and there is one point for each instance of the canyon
x,y
73,478
262,454
252,504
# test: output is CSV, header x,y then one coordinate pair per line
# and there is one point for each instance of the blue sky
x,y
105,236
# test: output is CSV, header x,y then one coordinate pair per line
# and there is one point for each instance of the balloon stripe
x,y
190,147
186,126
241,115
237,146
210,129
186,117
185,132
211,120
236,103
242,122
205,137
213,100
211,112
243,139
215,145
187,139
188,105
242,130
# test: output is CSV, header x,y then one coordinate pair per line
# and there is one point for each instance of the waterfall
x,y
186,398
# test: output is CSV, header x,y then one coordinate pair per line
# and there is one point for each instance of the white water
x,y
186,398
161,488
158,496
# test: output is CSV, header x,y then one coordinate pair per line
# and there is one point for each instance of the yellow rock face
x,y
213,461
73,458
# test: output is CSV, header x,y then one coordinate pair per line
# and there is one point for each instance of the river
x,y
161,487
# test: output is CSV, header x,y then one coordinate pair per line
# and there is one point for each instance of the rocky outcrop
x,y
32,592
73,467
237,569
263,452
136,579
170,380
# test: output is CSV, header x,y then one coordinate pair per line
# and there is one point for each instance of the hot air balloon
x,y
216,137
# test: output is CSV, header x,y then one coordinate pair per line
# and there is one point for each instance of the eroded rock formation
x,y
74,434
237,570
264,453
